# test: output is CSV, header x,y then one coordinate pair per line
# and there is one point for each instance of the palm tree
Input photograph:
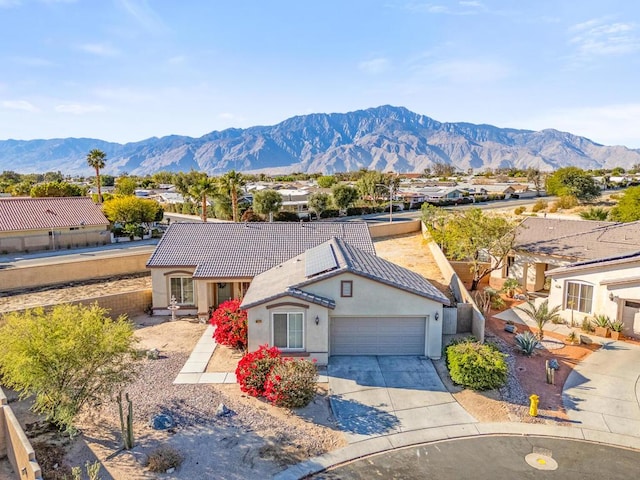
x,y
97,159
230,183
203,188
541,315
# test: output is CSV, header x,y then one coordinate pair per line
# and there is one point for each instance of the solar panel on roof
x,y
319,259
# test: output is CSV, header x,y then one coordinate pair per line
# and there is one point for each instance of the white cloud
x,y
599,37
33,61
101,49
23,105
471,3
79,108
616,124
142,13
469,71
374,66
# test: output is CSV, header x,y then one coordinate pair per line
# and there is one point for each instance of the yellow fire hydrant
x,y
533,407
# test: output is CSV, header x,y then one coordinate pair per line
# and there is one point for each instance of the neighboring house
x,y
205,264
51,223
608,285
545,243
335,299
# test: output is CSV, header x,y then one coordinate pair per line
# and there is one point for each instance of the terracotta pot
x,y
616,335
602,332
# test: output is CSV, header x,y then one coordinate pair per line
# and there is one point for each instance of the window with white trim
x,y
182,289
579,297
288,330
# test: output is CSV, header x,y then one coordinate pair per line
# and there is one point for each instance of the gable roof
x,y
243,250
619,260
290,278
22,213
577,239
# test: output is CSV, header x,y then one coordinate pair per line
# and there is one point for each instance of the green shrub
x,y
587,326
292,383
527,343
510,287
477,366
497,302
254,368
330,213
520,210
286,217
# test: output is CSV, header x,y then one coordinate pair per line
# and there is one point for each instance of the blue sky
x,y
125,70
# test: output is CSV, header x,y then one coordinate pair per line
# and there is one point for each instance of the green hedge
x,y
477,366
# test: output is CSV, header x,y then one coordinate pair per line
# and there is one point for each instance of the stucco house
x,y
51,223
335,299
202,265
608,285
545,243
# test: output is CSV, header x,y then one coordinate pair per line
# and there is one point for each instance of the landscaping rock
x,y
510,328
162,421
153,354
171,470
140,457
223,411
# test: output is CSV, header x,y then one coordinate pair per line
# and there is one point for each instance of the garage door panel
x,y
377,335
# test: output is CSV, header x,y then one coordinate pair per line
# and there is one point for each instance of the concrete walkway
x,y
377,396
603,391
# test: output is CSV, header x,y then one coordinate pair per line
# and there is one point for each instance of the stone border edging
x,y
416,437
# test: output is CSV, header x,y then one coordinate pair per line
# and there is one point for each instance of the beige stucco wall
x,y
71,271
370,298
528,269
601,302
15,444
34,240
389,229
160,284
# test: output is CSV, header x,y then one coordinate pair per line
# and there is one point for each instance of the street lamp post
x,y
391,189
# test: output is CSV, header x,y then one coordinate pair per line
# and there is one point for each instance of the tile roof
x,y
21,213
290,278
574,240
633,257
243,250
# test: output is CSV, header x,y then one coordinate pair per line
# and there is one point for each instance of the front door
x,y
223,292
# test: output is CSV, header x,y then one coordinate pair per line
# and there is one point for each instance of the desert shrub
x,y
587,326
286,217
539,205
163,458
291,383
477,366
566,202
519,210
526,343
250,216
553,208
231,325
330,213
595,213
254,368
497,302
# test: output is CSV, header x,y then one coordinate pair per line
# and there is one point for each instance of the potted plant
x,y
616,329
510,286
601,323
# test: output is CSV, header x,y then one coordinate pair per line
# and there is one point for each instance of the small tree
x,y
628,207
231,325
58,189
66,358
326,181
267,202
344,196
572,181
541,315
319,202
132,210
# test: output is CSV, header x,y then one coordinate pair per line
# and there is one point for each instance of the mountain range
x,y
384,138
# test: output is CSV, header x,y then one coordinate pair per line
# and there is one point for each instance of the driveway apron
x,y
375,396
603,391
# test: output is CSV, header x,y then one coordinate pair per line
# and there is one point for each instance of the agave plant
x,y
541,315
526,343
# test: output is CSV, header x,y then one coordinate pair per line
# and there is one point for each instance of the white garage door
x,y
377,335
631,318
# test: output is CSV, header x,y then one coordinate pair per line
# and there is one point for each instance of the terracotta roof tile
x,y
21,213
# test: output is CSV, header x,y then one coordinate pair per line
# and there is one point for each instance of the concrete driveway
x,y
376,396
603,391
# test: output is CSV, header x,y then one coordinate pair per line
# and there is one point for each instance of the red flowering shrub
x,y
254,367
231,325
291,383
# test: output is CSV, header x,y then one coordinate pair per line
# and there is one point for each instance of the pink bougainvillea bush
x,y
291,383
254,367
231,325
